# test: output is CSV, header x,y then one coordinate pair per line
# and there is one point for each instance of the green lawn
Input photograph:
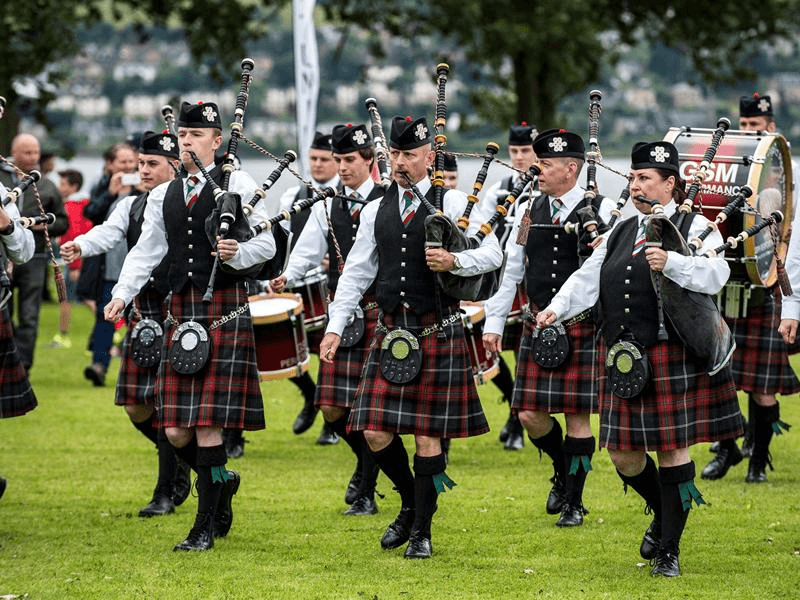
x,y
78,472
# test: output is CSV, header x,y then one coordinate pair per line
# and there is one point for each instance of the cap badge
x,y
763,105
421,131
209,113
166,144
557,144
359,137
659,154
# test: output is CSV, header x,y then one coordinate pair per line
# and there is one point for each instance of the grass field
x,y
78,472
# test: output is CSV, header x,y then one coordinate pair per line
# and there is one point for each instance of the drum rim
x,y
279,316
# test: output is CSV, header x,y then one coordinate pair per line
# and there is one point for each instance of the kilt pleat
x,y
16,394
226,392
681,405
337,382
571,388
137,385
442,402
760,362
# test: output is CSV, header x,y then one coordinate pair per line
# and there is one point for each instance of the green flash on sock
x,y
219,474
441,482
578,461
778,427
690,492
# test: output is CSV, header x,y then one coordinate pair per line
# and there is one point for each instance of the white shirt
x,y
312,245
497,306
362,262
103,238
696,273
790,307
152,245
19,244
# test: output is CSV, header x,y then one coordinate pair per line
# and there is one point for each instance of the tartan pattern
x,y
681,405
760,362
441,402
16,394
571,388
225,393
512,336
337,382
137,385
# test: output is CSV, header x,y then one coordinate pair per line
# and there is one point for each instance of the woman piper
x,y
678,404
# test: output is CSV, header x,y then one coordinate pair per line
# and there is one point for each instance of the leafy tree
x,y
537,52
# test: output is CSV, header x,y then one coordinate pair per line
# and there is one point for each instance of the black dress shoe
x,y
362,507
571,516
747,446
714,447
200,536
666,564
352,488
756,471
305,419
182,484
555,499
399,530
515,440
161,504
651,541
223,516
2,486
725,459
327,437
419,546
96,374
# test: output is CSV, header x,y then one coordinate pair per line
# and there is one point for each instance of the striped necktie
x,y
191,194
556,205
408,211
638,245
355,205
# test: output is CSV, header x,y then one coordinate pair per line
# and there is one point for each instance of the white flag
x,y
306,76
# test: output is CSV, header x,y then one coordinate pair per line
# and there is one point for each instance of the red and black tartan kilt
x,y
760,362
441,402
571,388
681,405
137,385
16,393
512,336
337,382
225,393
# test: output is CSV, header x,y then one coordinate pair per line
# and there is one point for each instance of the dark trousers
x,y
103,334
29,280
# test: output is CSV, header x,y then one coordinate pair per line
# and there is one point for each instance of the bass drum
x,y
281,346
755,158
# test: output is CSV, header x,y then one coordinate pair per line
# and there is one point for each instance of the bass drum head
x,y
755,158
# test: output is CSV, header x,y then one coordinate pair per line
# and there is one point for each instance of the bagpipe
x,y
42,218
379,139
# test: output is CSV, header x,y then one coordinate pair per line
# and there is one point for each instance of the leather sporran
x,y
550,346
401,357
147,338
191,348
628,369
354,330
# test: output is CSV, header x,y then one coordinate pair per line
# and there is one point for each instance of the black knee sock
x,y
353,439
728,444
306,385
166,464
646,484
677,483
552,444
425,494
211,477
188,453
578,454
503,380
393,461
147,428
765,420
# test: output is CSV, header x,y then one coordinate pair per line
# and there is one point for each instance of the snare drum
x,y
484,367
760,160
313,288
281,346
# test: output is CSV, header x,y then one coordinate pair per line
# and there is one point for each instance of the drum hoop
x,y
473,318
280,316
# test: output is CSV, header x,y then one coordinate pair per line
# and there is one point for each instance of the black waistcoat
x,y
627,298
158,278
345,229
552,253
189,248
299,220
403,275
